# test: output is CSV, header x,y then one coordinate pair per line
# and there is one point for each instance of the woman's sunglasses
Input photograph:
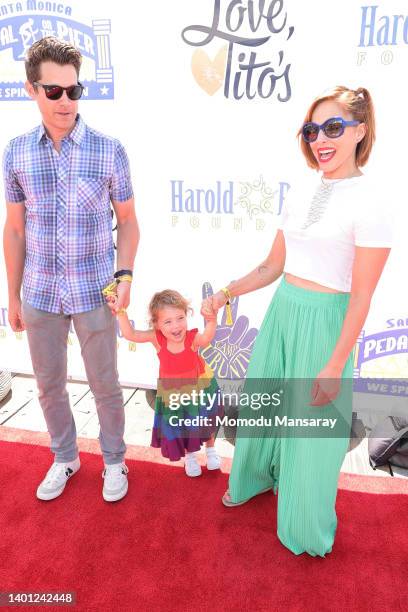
x,y
332,128
54,92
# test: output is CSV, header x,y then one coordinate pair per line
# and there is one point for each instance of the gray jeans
x,y
47,338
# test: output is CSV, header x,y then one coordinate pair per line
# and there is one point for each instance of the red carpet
x,y
171,545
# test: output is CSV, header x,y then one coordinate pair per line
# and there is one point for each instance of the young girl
x,y
179,429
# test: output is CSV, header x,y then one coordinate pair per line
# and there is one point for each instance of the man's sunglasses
x,y
332,128
54,92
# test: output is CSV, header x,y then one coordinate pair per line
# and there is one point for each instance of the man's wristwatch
x,y
123,275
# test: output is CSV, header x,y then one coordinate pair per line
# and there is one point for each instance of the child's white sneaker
x,y
191,465
213,459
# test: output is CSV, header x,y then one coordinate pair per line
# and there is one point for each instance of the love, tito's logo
x,y
251,62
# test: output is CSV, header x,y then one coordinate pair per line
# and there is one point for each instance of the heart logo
x,y
209,74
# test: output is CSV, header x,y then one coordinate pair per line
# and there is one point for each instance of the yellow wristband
x,y
109,290
228,319
227,293
125,277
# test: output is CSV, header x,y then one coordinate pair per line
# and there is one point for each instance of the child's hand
x,y
112,299
113,303
209,309
211,314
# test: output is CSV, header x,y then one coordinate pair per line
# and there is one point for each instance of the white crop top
x,y
354,215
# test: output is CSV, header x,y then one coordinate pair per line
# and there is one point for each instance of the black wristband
x,y
122,272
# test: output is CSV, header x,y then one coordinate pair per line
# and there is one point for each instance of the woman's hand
x,y
211,305
326,386
219,299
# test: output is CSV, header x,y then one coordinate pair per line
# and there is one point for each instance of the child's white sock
x,y
213,459
191,465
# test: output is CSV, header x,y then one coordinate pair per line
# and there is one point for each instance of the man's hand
x,y
14,315
123,293
117,296
111,297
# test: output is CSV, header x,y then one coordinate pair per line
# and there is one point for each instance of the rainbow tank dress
x,y
178,428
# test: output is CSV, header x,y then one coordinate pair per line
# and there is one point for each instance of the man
x,y
59,180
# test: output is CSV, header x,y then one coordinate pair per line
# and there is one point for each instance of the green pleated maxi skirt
x,y
295,341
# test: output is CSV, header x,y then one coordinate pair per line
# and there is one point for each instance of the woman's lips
x,y
326,154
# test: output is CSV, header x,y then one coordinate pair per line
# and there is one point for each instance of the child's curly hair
x,y
163,299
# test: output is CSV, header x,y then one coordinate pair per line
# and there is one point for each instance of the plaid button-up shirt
x,y
68,226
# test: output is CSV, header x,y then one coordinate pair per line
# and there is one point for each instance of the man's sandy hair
x,y
50,49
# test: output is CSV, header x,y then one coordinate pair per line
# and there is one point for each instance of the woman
x,y
333,250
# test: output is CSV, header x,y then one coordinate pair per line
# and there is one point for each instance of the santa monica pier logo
x,y
23,23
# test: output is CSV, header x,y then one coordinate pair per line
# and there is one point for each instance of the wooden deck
x,y
21,410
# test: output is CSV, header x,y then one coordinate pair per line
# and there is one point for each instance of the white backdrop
x,y
186,131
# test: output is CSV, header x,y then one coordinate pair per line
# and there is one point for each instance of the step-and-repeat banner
x,y
207,97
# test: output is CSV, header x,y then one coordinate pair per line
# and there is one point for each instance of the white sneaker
x,y
115,484
213,460
56,478
191,465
